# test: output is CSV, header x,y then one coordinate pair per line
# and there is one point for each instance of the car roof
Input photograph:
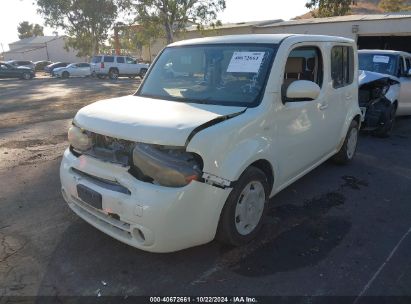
x,y
259,38
388,52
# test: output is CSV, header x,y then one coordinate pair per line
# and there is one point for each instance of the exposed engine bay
x,y
378,98
163,165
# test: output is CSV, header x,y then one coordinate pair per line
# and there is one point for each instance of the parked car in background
x,y
394,63
81,69
191,158
40,65
24,63
378,99
11,71
115,66
51,67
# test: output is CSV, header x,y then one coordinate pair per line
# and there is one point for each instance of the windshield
x,y
380,63
226,74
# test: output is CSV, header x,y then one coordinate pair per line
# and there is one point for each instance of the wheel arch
x,y
265,166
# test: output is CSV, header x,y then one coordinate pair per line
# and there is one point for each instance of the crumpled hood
x,y
149,120
367,77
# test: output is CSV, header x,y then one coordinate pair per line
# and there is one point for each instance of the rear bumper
x,y
149,217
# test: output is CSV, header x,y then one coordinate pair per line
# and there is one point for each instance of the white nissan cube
x,y
218,126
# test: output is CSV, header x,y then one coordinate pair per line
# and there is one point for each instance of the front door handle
x,y
323,106
348,96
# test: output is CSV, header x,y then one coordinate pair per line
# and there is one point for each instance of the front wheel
x,y
243,212
347,151
389,121
65,75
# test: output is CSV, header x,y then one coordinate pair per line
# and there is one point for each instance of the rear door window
x,y
120,59
108,58
342,66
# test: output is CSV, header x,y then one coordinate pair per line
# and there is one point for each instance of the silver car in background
x,y
393,63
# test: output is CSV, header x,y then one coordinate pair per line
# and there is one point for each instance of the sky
x,y
16,11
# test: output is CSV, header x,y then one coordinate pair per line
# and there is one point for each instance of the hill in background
x,y
363,7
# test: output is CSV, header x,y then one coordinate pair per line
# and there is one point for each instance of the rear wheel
x,y
113,74
65,75
347,151
385,130
243,212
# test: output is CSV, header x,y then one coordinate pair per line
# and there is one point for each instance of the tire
x,y
113,74
389,121
142,73
347,151
26,76
242,216
65,75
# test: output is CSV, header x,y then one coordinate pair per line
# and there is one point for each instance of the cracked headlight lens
x,y
166,166
79,139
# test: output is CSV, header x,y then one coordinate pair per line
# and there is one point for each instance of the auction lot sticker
x,y
245,62
381,59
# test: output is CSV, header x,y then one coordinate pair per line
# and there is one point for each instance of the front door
x,y
301,124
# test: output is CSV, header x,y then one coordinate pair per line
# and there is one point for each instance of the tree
x,y
392,5
329,8
174,15
27,30
134,38
86,22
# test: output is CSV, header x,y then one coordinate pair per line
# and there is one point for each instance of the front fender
x,y
229,147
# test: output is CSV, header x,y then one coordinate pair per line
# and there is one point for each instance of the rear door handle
x,y
323,106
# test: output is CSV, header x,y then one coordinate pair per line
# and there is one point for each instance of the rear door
x,y
121,65
343,89
84,69
404,105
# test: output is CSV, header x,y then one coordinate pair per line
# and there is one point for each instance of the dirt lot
x,y
339,231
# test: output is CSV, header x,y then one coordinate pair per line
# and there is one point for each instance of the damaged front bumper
x,y
144,215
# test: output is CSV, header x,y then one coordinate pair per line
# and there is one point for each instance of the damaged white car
x,y
196,154
378,99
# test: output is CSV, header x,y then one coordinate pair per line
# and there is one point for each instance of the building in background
x,y
38,48
375,31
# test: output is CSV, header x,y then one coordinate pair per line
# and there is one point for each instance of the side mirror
x,y
303,90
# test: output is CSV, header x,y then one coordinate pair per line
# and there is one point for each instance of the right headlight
x,y
79,139
167,166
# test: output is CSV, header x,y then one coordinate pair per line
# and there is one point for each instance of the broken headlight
x,y
79,139
167,166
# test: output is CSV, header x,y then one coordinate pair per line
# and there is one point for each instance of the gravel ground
x,y
338,231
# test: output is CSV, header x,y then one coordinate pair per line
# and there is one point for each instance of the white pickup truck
x,y
196,153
